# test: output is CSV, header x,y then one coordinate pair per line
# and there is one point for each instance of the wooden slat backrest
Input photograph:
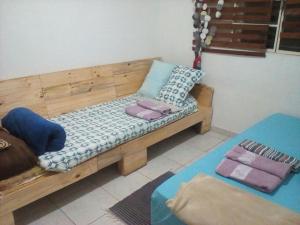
x,y
62,92
22,92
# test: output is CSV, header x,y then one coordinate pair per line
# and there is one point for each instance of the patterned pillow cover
x,y
181,82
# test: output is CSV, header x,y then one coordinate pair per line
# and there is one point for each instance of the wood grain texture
x,y
61,92
23,92
203,94
27,176
49,182
7,219
130,162
56,93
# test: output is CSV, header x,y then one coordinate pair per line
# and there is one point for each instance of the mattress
x,y
98,128
278,131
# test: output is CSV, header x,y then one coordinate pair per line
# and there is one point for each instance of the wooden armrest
x,y
203,94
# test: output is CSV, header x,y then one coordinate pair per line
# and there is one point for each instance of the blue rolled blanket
x,y
41,135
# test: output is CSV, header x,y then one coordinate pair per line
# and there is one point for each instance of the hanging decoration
x,y
203,34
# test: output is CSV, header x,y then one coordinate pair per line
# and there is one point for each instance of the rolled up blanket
x,y
142,113
259,162
253,177
40,135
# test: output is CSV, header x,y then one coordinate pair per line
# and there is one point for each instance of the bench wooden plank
x,y
57,93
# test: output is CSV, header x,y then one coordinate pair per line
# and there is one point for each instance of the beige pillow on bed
x,y
208,201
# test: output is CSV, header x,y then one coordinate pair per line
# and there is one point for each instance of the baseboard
x,y
223,131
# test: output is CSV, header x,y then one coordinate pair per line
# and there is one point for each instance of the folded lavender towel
x,y
253,160
155,106
142,113
253,177
271,153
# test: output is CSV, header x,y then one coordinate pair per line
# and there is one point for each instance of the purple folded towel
x,y
142,113
253,177
271,153
155,106
259,162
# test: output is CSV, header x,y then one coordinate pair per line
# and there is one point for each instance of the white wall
x,y
247,89
38,36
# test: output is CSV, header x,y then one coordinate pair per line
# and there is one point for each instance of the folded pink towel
x,y
259,162
142,113
155,106
253,177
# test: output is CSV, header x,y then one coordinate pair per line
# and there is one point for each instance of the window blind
x,y
242,28
290,31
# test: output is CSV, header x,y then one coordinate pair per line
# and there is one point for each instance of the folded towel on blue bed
x,y
253,160
258,179
40,134
271,153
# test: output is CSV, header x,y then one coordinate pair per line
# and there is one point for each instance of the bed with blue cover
x,y
278,131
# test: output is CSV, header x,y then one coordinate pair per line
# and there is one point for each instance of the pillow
x,y
181,82
157,77
15,156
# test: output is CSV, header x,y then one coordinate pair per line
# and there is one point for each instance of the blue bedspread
x,y
279,131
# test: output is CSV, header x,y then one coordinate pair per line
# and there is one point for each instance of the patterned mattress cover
x,y
98,128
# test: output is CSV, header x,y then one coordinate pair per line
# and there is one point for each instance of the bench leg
x,y
202,127
132,162
7,219
205,125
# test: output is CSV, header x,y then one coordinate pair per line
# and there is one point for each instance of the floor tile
x,y
188,147
211,149
223,132
122,186
159,166
204,142
41,212
170,143
83,202
108,219
218,135
183,153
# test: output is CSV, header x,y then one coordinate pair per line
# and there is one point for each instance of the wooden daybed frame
x,y
61,92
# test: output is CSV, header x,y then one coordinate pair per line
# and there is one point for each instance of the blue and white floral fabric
x,y
181,82
98,128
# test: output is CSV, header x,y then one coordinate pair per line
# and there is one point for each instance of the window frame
x,y
278,31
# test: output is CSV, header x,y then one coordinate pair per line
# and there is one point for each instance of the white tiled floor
x,y
87,202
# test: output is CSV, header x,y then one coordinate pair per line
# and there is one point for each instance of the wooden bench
x,y
61,92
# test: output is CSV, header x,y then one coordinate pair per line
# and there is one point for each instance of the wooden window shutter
x,y
290,30
243,27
